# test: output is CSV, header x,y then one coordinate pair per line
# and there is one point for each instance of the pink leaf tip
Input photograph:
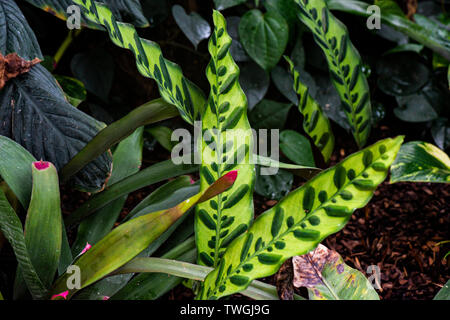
x,y
62,294
192,180
86,248
105,298
231,176
41,165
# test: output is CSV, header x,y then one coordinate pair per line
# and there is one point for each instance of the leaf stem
x,y
64,46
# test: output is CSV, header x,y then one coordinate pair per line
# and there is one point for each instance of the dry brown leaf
x,y
308,267
12,66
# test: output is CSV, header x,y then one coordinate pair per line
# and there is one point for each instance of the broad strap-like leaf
x,y
173,86
15,169
126,241
11,227
344,63
16,36
129,10
127,160
223,218
315,122
444,293
35,114
299,222
327,277
421,162
43,225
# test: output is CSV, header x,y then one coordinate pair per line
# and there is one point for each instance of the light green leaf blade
x,y
74,89
421,162
11,227
264,36
15,169
127,160
223,218
315,122
173,86
126,241
444,293
299,222
43,225
163,135
344,63
327,277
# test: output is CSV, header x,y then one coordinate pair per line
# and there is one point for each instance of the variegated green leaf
x,y
173,86
315,122
344,63
228,215
122,9
327,277
299,222
421,162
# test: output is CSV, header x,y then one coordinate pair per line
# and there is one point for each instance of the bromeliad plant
x,y
220,246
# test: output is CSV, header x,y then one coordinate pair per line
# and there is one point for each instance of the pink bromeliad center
x,y
41,165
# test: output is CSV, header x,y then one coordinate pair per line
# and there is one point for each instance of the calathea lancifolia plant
x,y
205,230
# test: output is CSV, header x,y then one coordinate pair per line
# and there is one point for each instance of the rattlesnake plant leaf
x,y
43,225
421,162
126,241
124,10
315,122
344,63
299,222
11,227
15,33
327,277
173,86
225,118
35,114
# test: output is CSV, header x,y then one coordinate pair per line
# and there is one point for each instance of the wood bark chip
x,y
12,66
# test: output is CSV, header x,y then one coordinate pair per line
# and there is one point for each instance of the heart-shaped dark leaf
x,y
297,148
255,82
124,10
194,27
35,114
264,37
15,33
415,108
402,74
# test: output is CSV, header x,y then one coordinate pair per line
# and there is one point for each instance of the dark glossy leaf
x,y
296,148
193,25
15,33
415,108
74,89
284,81
95,69
264,37
269,114
236,49
34,111
401,74
274,186
441,133
255,82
